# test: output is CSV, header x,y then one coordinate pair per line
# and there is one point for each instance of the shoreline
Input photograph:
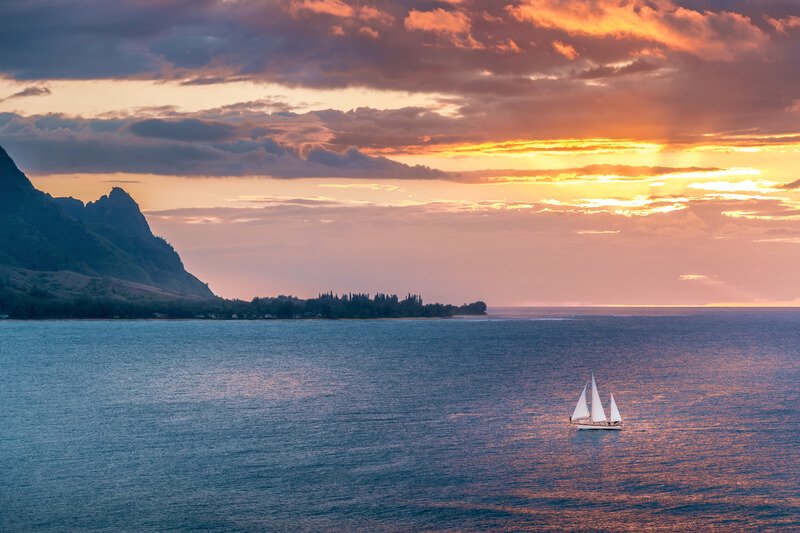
x,y
185,319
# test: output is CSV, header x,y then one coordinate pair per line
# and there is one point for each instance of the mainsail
x,y
614,411
582,409
598,415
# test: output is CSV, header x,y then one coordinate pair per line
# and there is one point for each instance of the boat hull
x,y
599,426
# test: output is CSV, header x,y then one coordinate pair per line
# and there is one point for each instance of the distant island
x,y
61,258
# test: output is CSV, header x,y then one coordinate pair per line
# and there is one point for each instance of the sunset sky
x,y
523,152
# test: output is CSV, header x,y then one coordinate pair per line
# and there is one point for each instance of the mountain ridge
x,y
108,238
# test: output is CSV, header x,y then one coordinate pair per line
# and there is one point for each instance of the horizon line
x,y
722,305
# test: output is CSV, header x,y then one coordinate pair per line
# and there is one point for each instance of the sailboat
x,y
583,418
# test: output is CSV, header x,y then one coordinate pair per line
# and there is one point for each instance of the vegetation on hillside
x,y
38,302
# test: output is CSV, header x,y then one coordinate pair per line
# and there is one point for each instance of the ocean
x,y
402,425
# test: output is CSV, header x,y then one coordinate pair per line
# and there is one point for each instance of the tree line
x,y
37,303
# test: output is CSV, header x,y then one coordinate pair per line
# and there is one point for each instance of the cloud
x,y
783,240
336,8
750,186
33,90
212,80
792,185
372,13
566,50
369,32
784,25
606,172
260,138
365,186
610,71
708,34
493,63
339,9
597,232
695,277
190,147
508,47
454,25
187,129
437,21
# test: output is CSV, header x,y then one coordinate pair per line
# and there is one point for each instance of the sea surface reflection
x,y
402,425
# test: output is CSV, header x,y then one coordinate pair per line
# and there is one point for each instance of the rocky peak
x,y
117,208
11,178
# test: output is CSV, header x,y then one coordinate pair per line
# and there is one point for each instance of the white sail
x,y
598,415
582,409
614,411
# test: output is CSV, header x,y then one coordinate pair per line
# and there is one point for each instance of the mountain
x,y
61,258
61,247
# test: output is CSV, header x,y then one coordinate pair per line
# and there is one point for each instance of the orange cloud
x,y
566,50
711,35
336,8
748,143
507,46
437,21
453,25
541,146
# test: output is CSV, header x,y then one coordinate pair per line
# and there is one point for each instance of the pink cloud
x,y
783,25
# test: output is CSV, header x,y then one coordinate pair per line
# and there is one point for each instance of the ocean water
x,y
402,425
